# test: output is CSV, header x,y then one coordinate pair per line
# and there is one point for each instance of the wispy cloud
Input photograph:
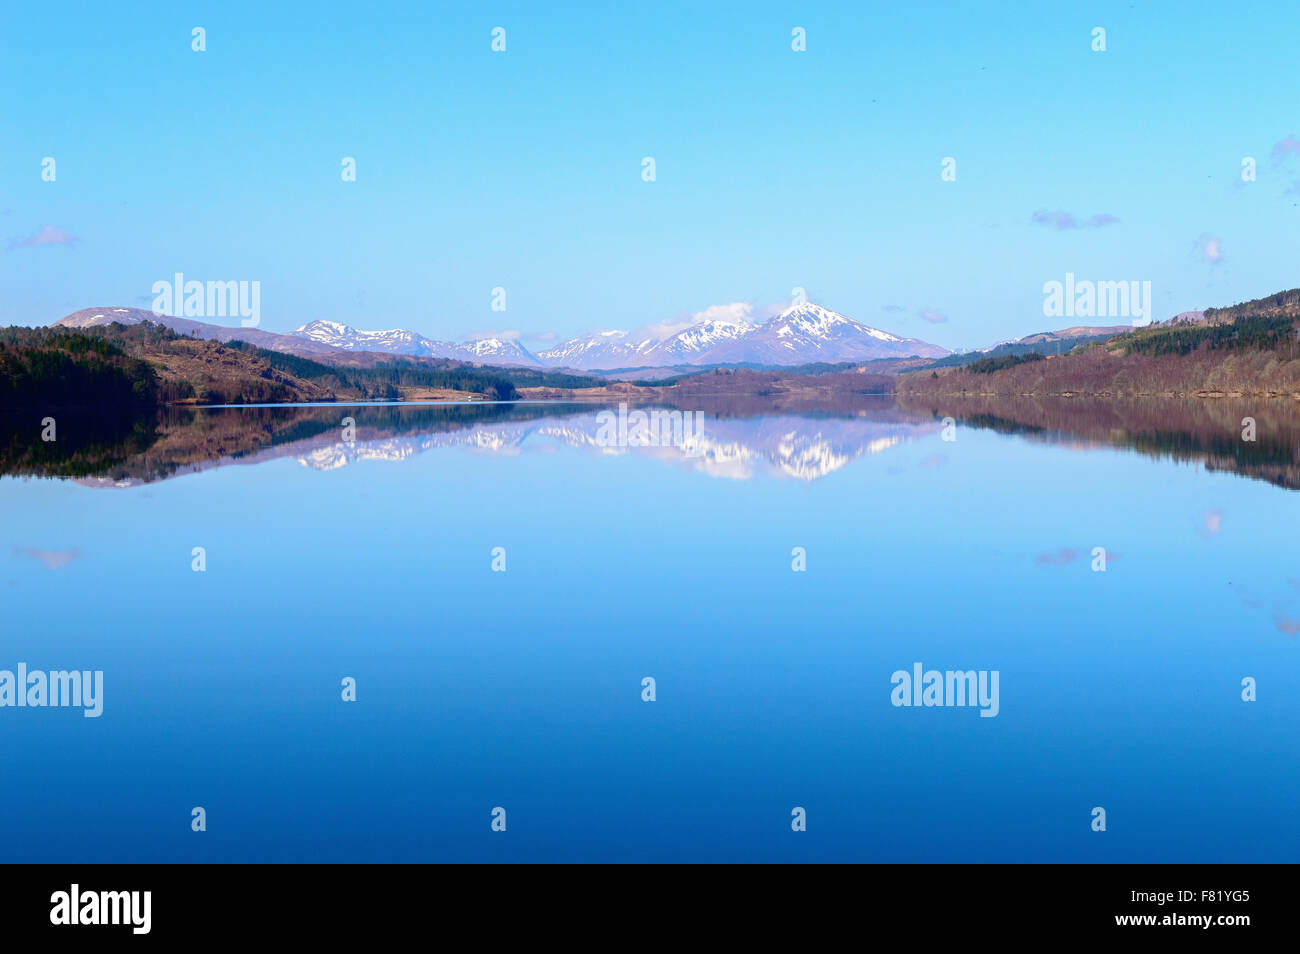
x,y
1060,219
932,316
662,329
1286,161
53,559
46,235
736,311
1284,149
1209,249
1062,558
1244,594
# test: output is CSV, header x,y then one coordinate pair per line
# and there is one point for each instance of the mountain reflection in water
x,y
738,438
1251,438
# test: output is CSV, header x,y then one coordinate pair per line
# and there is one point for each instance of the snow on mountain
x,y
690,343
345,337
799,335
492,350
622,349
806,333
600,349
93,317
486,350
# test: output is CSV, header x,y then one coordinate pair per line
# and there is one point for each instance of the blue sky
x,y
775,169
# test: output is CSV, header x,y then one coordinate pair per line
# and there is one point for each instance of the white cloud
x,y
737,311
510,335
48,235
1209,249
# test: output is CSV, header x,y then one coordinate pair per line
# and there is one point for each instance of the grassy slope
x,y
1248,349
211,373
101,364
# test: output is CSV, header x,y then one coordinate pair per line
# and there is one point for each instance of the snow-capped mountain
x,y
492,350
799,335
488,350
601,349
622,349
688,344
93,317
338,335
806,333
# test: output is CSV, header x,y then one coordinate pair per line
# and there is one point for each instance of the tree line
x,y
49,367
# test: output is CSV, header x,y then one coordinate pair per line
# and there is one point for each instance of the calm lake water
x,y
476,689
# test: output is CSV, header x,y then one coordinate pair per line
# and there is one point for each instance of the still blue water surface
x,y
522,689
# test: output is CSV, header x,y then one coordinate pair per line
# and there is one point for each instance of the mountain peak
x,y
811,319
808,307
321,324
801,334
89,317
486,350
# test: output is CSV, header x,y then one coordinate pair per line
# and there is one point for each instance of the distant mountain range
x,y
1073,334
91,317
488,350
805,334
1042,342
318,339
802,334
620,349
